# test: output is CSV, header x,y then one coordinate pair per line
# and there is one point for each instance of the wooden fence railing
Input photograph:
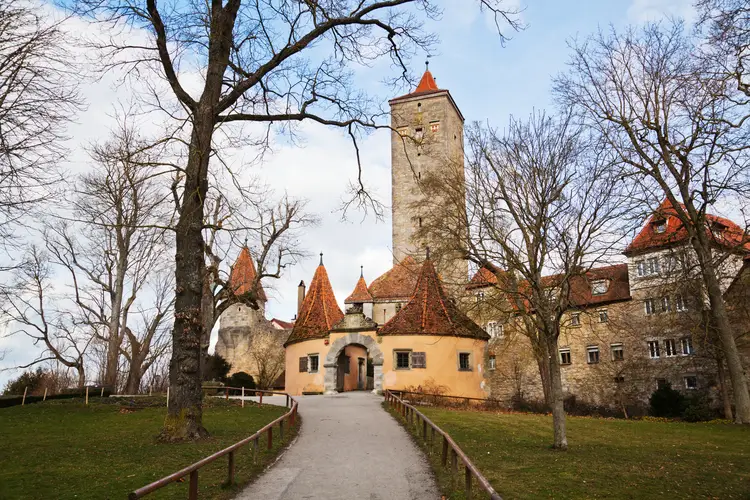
x,y
229,452
416,419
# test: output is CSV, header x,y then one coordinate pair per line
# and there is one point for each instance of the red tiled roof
x,y
430,312
319,311
482,278
398,282
243,275
427,85
285,325
732,235
360,293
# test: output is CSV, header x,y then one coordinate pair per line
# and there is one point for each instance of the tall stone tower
x,y
427,139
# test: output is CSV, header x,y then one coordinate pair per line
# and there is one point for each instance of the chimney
x,y
300,295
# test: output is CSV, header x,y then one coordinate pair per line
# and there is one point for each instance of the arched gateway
x,y
337,347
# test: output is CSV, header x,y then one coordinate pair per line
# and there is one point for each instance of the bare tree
x,y
263,62
726,24
38,99
680,134
266,351
539,216
33,307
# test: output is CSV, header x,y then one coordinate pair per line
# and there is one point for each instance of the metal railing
x,y
414,418
192,470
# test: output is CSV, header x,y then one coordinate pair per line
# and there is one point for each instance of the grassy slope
x,y
606,459
56,450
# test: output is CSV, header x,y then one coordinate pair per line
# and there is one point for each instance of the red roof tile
x,y
426,84
482,278
360,293
398,282
648,238
284,325
243,275
319,311
430,312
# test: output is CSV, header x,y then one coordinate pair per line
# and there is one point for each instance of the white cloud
x,y
641,11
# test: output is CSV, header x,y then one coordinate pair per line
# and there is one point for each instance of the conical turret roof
x,y
319,311
243,275
430,312
360,293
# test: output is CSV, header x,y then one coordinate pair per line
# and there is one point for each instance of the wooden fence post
x,y
255,450
243,396
167,397
102,393
230,472
226,393
23,401
445,451
260,402
467,473
270,438
193,491
281,430
87,395
45,395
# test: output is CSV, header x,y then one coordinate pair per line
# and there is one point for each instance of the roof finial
x,y
427,64
428,253
321,258
245,244
361,271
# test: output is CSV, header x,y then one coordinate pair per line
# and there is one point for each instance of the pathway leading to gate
x,y
348,448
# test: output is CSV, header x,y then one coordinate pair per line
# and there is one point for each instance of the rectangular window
x,y
618,353
313,363
434,127
565,356
603,316
680,303
661,382
660,226
418,134
653,266
691,382
575,319
619,379
599,287
653,349
687,346
670,348
464,361
495,329
492,362
641,266
650,306
303,364
419,360
592,354
665,305
402,360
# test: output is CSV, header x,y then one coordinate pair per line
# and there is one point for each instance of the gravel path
x,y
348,448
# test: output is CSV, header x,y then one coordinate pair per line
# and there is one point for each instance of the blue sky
x,y
489,82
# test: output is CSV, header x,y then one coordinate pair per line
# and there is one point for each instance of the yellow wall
x,y
442,364
354,352
296,382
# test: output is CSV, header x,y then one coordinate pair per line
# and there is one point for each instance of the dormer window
x,y
660,226
599,287
717,230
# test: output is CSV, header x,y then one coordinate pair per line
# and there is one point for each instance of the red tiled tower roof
x,y
430,312
360,293
482,278
396,283
243,275
426,84
648,238
319,311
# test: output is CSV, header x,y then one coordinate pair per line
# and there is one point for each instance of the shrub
x,y
30,379
698,409
215,368
666,402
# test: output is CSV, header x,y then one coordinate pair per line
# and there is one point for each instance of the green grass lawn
x,y
606,459
68,450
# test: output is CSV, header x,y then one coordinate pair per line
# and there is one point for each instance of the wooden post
x,y
261,399
287,400
193,491
150,388
226,393
281,430
102,393
255,450
432,438
270,438
230,472
167,397
467,473
87,395
45,395
243,396
294,413
23,401
424,430
454,460
445,451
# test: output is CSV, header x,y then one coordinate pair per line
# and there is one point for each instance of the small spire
x,y
361,271
321,258
427,64
245,244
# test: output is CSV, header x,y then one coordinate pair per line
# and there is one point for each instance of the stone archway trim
x,y
329,380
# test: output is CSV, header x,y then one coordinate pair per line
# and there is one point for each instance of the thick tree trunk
x,y
542,355
185,418
81,377
720,320
725,399
557,398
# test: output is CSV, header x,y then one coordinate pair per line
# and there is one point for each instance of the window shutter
x,y
418,360
303,364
